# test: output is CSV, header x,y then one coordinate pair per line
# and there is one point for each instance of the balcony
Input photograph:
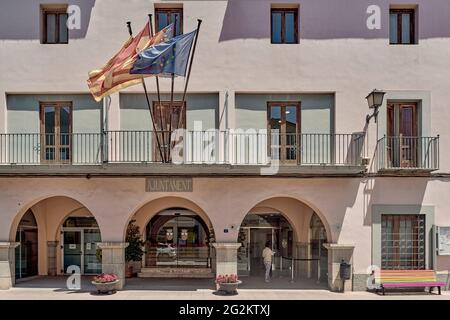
x,y
196,152
408,155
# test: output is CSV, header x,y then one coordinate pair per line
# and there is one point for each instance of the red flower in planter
x,y
232,278
105,278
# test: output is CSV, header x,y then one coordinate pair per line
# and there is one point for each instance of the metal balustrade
x,y
36,148
408,153
188,147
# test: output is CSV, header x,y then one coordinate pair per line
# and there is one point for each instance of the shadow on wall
x,y
27,18
386,190
331,19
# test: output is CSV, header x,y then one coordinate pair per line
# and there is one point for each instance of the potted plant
x,y
228,284
135,249
105,283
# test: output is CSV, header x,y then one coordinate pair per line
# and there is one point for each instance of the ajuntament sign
x,y
169,184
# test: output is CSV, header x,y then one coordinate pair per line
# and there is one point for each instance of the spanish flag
x,y
115,75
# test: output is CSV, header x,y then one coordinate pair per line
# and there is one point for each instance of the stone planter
x,y
105,287
229,288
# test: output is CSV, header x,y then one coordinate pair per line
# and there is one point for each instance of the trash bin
x,y
345,270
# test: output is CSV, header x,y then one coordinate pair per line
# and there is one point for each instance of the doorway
x,y
283,121
177,238
255,231
56,132
26,253
167,120
79,238
402,134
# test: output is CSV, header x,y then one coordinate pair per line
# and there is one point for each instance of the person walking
x,y
267,255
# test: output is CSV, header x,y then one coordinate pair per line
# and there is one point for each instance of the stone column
x,y
7,264
226,257
113,260
337,253
52,247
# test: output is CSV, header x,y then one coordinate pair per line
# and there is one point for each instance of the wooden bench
x,y
389,279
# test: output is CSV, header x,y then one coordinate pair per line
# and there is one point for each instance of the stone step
x,y
175,273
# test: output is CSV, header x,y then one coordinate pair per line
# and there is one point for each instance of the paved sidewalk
x,y
53,288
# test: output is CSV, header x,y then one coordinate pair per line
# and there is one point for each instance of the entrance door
x,y
177,240
403,143
56,132
80,249
91,263
73,249
167,119
258,239
284,129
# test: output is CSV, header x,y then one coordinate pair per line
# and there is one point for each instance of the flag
x,y
167,58
115,74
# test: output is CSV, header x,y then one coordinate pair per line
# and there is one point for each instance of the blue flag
x,y
166,58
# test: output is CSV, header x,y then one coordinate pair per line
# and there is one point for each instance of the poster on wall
x,y
443,243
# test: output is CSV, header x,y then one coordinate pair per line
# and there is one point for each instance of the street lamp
x,y
375,100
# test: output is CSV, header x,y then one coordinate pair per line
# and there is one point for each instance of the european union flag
x,y
166,58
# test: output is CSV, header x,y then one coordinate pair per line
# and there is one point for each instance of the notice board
x,y
443,241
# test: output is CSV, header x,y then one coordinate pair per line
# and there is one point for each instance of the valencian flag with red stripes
x,y
115,74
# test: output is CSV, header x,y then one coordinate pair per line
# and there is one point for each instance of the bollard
x,y
292,270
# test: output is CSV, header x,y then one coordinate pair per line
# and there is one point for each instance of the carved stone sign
x,y
168,184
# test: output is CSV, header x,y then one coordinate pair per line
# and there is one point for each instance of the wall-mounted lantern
x,y
374,100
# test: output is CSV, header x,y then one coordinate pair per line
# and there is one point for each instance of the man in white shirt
x,y
267,255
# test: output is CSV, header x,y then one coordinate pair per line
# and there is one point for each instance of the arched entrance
x,y
54,233
26,254
255,231
178,238
296,234
79,238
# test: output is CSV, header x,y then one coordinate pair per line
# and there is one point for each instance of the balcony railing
x,y
408,153
192,147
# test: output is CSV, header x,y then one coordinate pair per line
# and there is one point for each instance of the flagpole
x,y
171,104
199,22
158,92
130,31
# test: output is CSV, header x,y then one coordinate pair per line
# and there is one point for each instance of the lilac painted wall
x,y
331,19
20,19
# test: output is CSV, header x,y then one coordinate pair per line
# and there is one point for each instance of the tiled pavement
x,y
54,288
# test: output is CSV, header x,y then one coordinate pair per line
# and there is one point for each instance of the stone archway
x,y
177,235
50,213
286,223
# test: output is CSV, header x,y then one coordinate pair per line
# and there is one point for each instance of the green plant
x,y
98,254
211,239
135,248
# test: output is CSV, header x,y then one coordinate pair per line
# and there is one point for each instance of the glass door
x,y
72,249
90,239
258,239
177,241
56,132
284,130
402,133
167,119
243,256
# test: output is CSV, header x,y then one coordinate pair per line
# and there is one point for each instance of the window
x,y
55,25
402,26
165,16
402,241
284,24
